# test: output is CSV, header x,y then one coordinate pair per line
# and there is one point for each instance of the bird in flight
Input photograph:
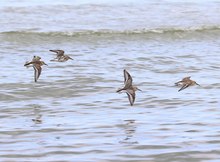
x,y
129,88
186,82
37,63
61,57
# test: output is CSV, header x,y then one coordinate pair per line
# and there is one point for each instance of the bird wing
x,y
69,57
37,72
184,87
28,63
127,79
43,63
186,78
131,96
59,52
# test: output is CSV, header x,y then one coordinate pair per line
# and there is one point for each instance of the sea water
x,y
82,117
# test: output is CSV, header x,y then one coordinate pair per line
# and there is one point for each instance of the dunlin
x,y
186,82
129,88
37,67
60,56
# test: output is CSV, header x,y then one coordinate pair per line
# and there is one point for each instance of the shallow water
x,y
83,118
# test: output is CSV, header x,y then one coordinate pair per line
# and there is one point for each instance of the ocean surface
x,y
83,119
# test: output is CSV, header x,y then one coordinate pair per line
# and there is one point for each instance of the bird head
x,y
36,58
69,58
136,88
197,84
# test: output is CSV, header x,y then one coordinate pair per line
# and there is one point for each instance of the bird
x,y
60,56
129,88
186,82
37,67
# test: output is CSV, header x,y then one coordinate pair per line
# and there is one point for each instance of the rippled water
x,y
83,118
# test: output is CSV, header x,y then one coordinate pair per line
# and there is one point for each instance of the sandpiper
x,y
186,82
60,56
129,88
37,66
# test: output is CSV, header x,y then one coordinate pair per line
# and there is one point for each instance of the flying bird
x,y
129,88
186,82
37,67
61,57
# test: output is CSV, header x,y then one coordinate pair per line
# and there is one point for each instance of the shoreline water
x,y
82,116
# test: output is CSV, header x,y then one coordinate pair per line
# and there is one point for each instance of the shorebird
x,y
60,56
186,82
129,88
37,66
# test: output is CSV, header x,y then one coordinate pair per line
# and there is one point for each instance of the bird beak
x,y
198,84
139,89
26,63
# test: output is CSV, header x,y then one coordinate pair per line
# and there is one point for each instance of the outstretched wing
x,y
184,87
186,78
59,52
131,96
70,58
28,63
127,79
37,72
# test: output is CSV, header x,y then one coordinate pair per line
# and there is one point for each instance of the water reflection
x,y
37,114
129,128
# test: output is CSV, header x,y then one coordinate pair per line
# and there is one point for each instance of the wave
x,y
115,32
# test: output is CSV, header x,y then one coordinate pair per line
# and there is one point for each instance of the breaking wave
x,y
157,31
